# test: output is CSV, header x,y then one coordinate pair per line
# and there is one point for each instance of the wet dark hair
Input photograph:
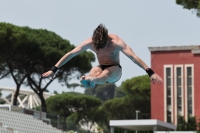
x,y
100,37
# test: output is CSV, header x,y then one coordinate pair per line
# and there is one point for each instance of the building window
x,y
169,111
189,90
178,92
168,93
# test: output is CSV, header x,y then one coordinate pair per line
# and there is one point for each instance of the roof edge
x,y
174,48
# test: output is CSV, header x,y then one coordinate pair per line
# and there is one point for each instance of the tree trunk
x,y
16,95
43,102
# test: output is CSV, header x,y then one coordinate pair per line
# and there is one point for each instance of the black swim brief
x,y
106,66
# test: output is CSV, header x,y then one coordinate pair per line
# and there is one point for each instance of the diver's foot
x,y
85,82
91,81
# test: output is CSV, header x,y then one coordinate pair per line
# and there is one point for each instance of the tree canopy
x,y
138,91
119,108
103,92
26,53
132,95
106,91
67,103
190,5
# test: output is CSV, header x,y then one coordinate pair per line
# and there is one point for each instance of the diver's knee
x,y
95,71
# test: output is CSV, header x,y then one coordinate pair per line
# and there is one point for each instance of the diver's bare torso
x,y
109,55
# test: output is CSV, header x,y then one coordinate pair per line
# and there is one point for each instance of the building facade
x,y
179,95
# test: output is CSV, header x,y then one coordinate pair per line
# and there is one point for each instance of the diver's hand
x,y
155,78
47,74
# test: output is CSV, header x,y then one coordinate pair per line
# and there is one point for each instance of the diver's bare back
x,y
110,54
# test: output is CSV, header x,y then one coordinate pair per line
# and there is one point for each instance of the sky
x,y
140,23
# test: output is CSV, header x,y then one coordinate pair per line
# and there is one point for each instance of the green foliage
x,y
119,108
198,125
55,92
100,114
190,4
37,50
12,56
91,91
103,92
134,94
138,84
73,108
101,117
137,90
190,125
72,86
119,92
182,125
26,53
122,108
67,103
71,125
70,131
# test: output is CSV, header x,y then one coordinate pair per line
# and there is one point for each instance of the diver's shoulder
x,y
114,37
